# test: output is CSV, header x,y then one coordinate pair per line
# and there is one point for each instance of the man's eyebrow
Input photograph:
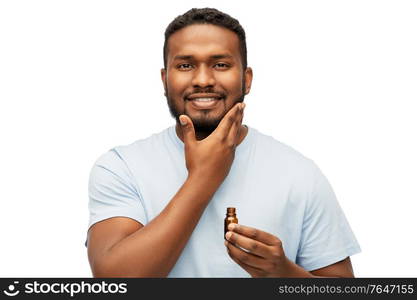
x,y
216,56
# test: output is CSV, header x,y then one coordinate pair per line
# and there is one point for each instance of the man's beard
x,y
202,125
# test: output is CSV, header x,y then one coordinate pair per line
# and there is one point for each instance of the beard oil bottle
x,y
230,218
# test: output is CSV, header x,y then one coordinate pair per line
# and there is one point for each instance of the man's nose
x,y
203,76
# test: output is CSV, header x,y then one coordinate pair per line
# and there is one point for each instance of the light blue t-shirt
x,y
273,187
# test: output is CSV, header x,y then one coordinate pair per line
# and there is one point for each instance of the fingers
x,y
187,130
234,133
229,127
255,234
251,263
253,246
227,122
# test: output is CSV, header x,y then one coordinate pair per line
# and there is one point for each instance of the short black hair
x,y
207,16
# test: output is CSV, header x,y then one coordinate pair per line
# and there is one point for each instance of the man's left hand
x,y
265,255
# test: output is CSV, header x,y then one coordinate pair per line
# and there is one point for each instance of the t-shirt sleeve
x,y
326,236
112,191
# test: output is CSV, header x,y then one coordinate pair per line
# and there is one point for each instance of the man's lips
x,y
204,101
201,96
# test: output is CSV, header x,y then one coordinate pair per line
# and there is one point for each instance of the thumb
x,y
187,129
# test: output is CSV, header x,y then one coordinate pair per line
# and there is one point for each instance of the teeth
x,y
204,99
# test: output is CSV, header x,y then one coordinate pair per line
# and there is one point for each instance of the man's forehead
x,y
203,53
214,56
204,40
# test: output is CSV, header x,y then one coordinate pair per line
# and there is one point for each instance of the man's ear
x,y
163,77
248,79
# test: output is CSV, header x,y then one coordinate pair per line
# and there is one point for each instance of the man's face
x,y
204,76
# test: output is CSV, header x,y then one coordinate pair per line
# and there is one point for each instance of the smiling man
x,y
157,205
208,92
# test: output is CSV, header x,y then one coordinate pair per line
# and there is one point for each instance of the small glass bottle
x,y
230,218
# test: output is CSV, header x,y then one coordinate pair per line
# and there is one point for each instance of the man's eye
x,y
184,66
222,65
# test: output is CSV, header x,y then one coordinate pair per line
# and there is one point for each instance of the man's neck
x,y
202,135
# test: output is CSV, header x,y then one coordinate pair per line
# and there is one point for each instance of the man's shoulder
x,y
273,148
280,160
124,152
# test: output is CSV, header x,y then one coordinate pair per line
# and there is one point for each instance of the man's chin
x,y
205,125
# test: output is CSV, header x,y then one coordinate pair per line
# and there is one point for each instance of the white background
x,y
335,80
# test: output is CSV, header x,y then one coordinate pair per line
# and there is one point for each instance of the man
x,y
157,205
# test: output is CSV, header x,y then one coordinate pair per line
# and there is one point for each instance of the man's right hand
x,y
213,156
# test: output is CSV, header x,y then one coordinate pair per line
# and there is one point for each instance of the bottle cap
x,y
231,210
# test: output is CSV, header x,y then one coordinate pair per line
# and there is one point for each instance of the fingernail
x,y
231,226
183,121
228,235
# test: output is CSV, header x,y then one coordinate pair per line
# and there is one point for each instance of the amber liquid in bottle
x,y
230,218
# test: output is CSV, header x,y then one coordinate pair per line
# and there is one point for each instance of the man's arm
x,y
121,247
341,269
261,254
